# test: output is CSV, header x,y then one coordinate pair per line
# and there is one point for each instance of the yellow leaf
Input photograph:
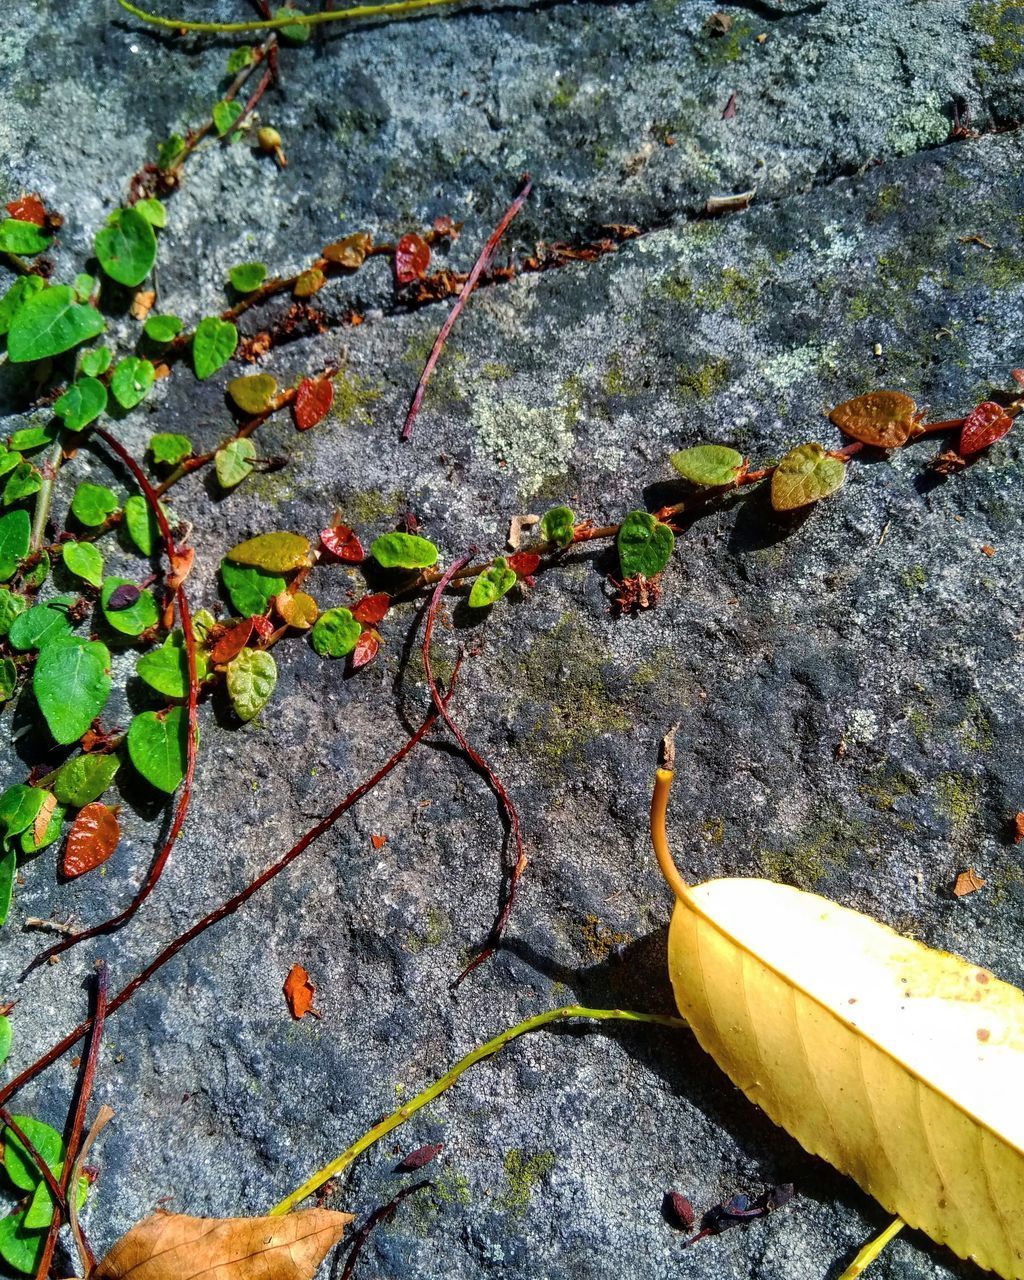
x,y
253,393
806,474
899,1065
172,1246
276,552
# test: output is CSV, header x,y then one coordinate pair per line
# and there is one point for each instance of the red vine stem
x,y
181,600
479,267
231,905
495,782
76,1120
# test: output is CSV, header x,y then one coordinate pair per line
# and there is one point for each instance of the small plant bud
x,y
269,140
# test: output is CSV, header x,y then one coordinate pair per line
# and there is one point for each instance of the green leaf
x,y
82,403
84,561
23,237
168,449
8,461
162,329
403,551
225,114
153,210
710,465
95,361
168,153
11,606
8,679
644,545
250,590
23,288
83,285
18,1164
203,622
14,536
84,779
92,504
557,525
140,524
50,322
71,684
8,872
247,276
131,381
492,584
296,32
234,462
18,807
126,247
239,59
21,1249
33,437
28,842
23,481
213,345
254,393
275,552
41,625
6,1037
157,746
134,620
39,1213
166,669
251,679
335,633
32,579
806,474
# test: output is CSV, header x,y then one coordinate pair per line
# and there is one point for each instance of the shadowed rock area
x,y
846,682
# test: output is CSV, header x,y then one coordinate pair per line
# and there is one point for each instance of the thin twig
x,y
395,8
497,786
382,1214
85,1253
481,265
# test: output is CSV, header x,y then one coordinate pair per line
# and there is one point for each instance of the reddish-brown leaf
x,y
341,542
412,258
28,209
231,643
421,1156
681,1208
985,425
524,563
350,252
182,559
365,650
378,841
299,992
92,839
968,882
1018,828
884,419
263,627
371,609
313,401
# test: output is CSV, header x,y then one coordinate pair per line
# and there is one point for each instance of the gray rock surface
x,y
879,622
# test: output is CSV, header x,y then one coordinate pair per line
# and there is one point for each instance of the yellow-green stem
x,y
872,1249
393,9
399,1117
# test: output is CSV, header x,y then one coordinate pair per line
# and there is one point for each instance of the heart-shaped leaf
x,y
133,613
92,504
983,426
131,381
213,345
126,247
95,361
162,329
82,403
253,393
492,584
276,552
158,747
84,560
343,543
168,449
250,590
313,401
884,419
71,684
41,625
50,322
644,545
93,837
710,465
806,474
234,462
335,633
247,276
251,679
166,669
84,779
403,551
556,526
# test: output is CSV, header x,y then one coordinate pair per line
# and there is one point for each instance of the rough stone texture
x,y
877,621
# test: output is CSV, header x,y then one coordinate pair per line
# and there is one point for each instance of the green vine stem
x,y
432,1091
44,497
394,8
872,1249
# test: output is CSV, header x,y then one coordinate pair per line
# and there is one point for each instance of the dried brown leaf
x,y
173,1246
968,882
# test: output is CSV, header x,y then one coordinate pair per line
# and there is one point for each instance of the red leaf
x,y
371,609
340,541
28,209
263,627
299,992
985,425
412,258
233,641
421,1156
92,839
524,563
681,1209
312,402
365,650
378,841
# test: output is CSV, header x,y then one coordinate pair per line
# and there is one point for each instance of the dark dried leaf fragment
x,y
418,1158
680,1209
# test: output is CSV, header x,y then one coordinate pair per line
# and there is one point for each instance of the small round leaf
x,y
644,545
403,551
710,465
82,403
157,747
126,247
492,584
335,633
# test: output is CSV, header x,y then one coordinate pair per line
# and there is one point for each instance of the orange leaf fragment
x,y
885,419
350,252
42,819
299,992
313,401
173,1246
181,566
92,839
378,841
967,882
412,258
1018,828
142,303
